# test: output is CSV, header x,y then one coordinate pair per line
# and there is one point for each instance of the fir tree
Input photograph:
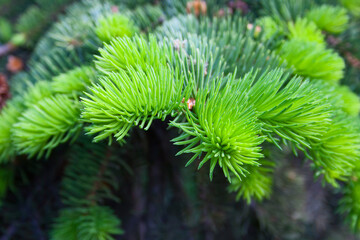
x,y
258,99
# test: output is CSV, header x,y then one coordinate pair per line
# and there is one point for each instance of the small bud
x,y
114,9
197,7
14,64
179,44
190,103
75,42
257,31
206,68
221,13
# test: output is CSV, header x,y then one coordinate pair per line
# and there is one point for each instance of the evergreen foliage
x,y
89,223
313,60
9,116
224,128
286,10
5,30
291,109
115,25
36,92
353,6
351,101
6,181
304,30
123,53
323,16
337,152
27,21
133,105
82,192
349,204
143,86
270,27
45,125
257,184
233,90
74,81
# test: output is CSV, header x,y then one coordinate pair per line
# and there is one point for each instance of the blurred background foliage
x,y
146,186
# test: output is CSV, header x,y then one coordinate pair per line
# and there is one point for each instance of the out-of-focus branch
x,y
6,49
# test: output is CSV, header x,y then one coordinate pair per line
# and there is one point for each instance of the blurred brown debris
x,y
355,62
238,5
4,90
14,64
197,7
